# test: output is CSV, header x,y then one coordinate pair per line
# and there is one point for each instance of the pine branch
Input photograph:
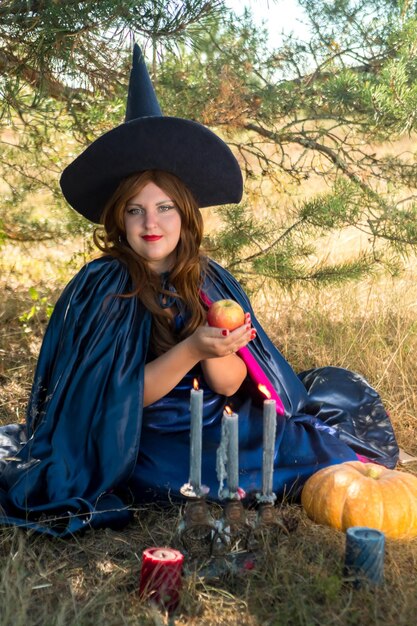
x,y
265,251
312,144
45,82
25,7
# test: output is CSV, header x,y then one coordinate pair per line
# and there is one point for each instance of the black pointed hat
x,y
150,141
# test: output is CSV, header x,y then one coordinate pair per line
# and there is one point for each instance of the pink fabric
x,y
259,377
254,369
364,459
205,299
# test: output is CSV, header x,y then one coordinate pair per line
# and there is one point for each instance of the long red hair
x,y
187,273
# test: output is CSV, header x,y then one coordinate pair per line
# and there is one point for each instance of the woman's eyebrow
x,y
157,203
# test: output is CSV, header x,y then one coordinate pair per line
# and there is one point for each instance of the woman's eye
x,y
166,207
134,210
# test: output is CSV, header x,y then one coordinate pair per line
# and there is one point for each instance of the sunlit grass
x,y
93,579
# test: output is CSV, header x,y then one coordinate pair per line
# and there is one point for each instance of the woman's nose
x,y
150,219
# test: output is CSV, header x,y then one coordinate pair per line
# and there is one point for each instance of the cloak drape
x,y
84,416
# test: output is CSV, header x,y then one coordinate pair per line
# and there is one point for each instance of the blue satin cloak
x,y
89,442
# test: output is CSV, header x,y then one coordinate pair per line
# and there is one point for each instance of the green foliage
x,y
303,110
284,251
346,94
2,234
275,266
240,231
395,97
215,80
63,74
342,207
41,308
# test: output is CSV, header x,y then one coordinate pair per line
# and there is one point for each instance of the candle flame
x,y
195,384
228,410
265,391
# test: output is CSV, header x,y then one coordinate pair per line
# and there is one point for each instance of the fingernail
x,y
253,334
248,326
225,333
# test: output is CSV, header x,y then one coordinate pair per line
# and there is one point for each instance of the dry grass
x,y
93,579
370,328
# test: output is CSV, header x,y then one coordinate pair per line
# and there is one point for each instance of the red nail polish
x,y
225,333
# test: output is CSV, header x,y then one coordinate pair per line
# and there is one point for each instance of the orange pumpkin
x,y
363,494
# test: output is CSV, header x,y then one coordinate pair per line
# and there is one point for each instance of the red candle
x,y
160,576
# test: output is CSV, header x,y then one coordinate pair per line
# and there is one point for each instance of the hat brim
x,y
191,151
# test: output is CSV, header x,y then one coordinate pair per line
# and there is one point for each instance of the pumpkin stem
x,y
374,472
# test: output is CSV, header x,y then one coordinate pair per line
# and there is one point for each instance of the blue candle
x,y
364,558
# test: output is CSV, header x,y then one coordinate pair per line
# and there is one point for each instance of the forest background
x,y
325,240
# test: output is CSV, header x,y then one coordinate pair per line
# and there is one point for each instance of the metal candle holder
x,y
197,530
198,533
233,529
269,527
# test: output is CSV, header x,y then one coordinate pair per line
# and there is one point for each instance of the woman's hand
x,y
223,370
208,342
214,348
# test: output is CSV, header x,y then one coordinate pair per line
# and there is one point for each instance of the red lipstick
x,y
151,237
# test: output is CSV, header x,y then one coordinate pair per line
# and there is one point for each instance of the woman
x,y
108,419
158,230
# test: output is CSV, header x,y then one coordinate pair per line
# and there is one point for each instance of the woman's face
x,y
153,226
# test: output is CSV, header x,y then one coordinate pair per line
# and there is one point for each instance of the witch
x,y
108,421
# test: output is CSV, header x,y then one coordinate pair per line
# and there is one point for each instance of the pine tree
x,y
326,109
63,71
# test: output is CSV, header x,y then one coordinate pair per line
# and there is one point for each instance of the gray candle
x,y
227,463
196,436
270,427
232,429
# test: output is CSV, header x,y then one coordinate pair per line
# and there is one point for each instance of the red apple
x,y
225,314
